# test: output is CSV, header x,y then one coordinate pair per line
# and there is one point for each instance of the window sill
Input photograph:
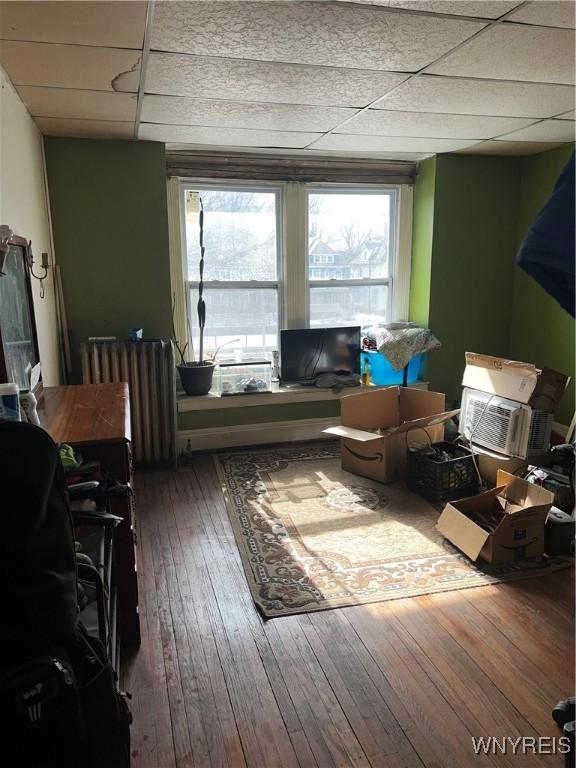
x,y
280,396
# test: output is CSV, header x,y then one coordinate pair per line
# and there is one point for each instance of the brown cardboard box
x,y
519,510
378,427
489,464
541,389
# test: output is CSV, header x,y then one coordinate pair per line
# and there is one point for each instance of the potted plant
x,y
196,376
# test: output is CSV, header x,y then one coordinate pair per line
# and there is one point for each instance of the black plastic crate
x,y
442,471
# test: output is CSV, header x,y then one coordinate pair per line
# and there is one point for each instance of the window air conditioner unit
x,y
504,426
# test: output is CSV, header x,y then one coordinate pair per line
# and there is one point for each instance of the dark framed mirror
x,y
18,338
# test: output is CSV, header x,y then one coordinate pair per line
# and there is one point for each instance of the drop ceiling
x,y
370,78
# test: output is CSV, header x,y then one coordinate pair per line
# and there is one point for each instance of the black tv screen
x,y
308,352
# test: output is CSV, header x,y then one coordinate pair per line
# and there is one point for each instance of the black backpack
x,y
63,710
59,706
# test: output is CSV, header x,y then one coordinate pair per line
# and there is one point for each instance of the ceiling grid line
x,y
424,69
383,78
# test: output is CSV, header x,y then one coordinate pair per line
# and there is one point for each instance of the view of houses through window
x,y
348,261
348,257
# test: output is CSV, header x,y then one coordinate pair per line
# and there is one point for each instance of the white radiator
x,y
148,367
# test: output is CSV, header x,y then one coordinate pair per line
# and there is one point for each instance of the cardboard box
x,y
541,389
519,510
378,427
489,464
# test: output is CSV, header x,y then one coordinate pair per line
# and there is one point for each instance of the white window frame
x,y
357,189
202,185
293,284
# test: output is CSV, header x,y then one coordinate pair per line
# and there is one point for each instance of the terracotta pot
x,y
196,378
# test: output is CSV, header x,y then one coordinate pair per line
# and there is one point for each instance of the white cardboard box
x,y
531,388
541,389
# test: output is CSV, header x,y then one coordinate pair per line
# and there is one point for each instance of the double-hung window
x,y
293,255
241,270
351,232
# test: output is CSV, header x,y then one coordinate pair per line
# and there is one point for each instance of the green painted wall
x,y
470,215
475,234
541,331
422,234
109,216
258,414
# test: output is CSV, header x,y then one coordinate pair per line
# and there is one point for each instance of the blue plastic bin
x,y
383,373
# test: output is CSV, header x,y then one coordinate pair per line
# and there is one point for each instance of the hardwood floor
x,y
400,684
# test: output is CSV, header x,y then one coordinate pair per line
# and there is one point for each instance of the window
x,y
294,255
352,231
320,258
240,271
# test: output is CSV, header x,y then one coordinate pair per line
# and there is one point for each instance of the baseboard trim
x,y
214,438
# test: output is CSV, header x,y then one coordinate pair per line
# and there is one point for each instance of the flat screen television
x,y
305,353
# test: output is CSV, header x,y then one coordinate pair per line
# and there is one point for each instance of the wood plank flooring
x,y
400,684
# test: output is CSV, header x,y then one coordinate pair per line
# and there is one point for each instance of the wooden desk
x,y
95,419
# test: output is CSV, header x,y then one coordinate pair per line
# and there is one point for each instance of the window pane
x,y
348,305
239,235
245,319
348,235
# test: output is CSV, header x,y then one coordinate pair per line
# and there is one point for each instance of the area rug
x,y
312,536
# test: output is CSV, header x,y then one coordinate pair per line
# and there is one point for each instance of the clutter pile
x,y
398,433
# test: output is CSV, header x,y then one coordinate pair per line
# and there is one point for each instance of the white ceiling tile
x,y
418,124
180,110
69,102
547,13
571,115
307,33
86,129
242,80
482,9
352,143
508,148
229,137
71,66
547,130
410,156
514,52
427,93
105,23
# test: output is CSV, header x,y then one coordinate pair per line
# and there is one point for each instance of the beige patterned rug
x,y
312,536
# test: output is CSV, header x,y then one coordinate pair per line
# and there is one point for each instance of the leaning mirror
x,y
18,340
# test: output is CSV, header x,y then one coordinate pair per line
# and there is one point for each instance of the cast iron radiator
x,y
148,367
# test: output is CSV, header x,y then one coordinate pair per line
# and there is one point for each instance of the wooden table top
x,y
86,414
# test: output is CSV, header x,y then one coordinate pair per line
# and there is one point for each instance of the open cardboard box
x,y
541,389
518,510
378,427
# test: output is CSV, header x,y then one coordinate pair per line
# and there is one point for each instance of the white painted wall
x,y
24,209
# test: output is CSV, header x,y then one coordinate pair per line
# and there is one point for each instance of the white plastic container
x,y
9,403
248,378
28,402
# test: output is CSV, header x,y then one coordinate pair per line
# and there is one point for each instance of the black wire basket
x,y
442,472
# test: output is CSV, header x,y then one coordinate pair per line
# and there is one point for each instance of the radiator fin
x,y
148,368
